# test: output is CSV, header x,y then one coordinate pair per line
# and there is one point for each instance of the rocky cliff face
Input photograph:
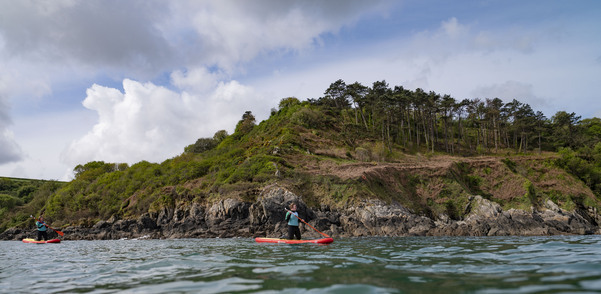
x,y
265,217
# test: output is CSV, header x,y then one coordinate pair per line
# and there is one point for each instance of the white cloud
x,y
198,80
140,39
42,137
10,151
43,44
150,122
509,90
453,60
227,33
96,33
453,29
210,59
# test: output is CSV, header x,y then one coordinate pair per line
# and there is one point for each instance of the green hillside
x,y
19,195
326,149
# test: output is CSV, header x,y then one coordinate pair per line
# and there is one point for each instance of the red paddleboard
x,y
41,242
288,241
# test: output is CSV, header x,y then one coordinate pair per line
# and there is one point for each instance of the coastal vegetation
x,y
441,150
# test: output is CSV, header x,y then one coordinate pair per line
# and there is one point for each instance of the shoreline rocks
x,y
265,218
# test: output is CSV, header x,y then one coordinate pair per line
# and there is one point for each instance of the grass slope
x,y
311,151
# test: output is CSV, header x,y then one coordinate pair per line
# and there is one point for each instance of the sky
x,y
130,80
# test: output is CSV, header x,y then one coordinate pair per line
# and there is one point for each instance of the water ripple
x,y
558,264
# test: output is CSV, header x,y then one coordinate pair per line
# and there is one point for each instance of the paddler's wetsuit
x,y
293,230
41,230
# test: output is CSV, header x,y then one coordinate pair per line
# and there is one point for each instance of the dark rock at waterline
x,y
265,217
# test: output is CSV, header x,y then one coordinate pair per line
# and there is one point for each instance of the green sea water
x,y
559,264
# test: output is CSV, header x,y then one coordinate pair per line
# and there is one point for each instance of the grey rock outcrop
x,y
265,217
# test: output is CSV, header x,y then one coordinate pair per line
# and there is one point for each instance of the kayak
x,y
288,241
41,242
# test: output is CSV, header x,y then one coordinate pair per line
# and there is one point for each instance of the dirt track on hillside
x,y
432,164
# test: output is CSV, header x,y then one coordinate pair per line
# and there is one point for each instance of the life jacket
x,y
292,218
41,226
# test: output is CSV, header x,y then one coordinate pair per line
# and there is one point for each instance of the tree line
x,y
428,121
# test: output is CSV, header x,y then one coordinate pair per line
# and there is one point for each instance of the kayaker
x,y
42,227
292,219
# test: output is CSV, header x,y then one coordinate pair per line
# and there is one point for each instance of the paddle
x,y
309,224
57,231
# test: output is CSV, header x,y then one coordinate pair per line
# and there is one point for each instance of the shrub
x,y
510,164
530,196
362,154
26,192
201,145
9,202
288,102
307,118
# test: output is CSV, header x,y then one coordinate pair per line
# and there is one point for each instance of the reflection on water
x,y
558,264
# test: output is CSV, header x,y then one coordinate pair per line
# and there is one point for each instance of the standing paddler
x,y
42,229
292,219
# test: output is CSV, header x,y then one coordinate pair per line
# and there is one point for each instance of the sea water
x,y
558,264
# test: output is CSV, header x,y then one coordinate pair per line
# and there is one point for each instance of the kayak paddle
x,y
57,231
309,224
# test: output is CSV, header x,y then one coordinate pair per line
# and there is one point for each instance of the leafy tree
x,y
287,102
526,125
25,191
493,116
122,166
7,184
220,136
379,97
93,169
206,144
338,94
9,202
541,126
246,124
591,131
564,127
447,104
357,92
511,113
201,145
